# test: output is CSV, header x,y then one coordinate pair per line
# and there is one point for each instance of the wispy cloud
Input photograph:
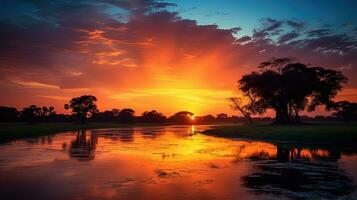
x,y
54,97
33,84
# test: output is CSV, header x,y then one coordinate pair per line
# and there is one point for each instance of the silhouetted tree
x,y
47,113
126,115
207,119
153,117
345,110
51,111
83,106
8,114
106,116
115,112
31,113
222,117
182,117
289,88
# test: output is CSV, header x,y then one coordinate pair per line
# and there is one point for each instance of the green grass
x,y
300,134
13,131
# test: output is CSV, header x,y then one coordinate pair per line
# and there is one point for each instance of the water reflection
x,y
156,162
299,173
83,146
123,135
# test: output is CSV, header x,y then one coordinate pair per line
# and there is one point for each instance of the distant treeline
x,y
33,114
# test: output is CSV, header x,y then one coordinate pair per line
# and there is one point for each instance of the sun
x,y
192,117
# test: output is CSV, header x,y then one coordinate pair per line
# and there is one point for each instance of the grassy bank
x,y
324,134
13,131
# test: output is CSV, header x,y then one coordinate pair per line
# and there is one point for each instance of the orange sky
x,y
152,60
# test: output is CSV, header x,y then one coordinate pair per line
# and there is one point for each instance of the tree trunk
x,y
81,118
282,115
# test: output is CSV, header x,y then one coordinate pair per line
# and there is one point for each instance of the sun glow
x,y
197,99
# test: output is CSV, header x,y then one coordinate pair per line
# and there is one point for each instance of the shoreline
x,y
15,130
306,134
300,135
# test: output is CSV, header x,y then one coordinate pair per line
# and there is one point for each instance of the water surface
x,y
171,162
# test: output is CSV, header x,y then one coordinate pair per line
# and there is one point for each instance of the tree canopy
x,y
153,116
126,115
82,106
31,113
182,117
289,87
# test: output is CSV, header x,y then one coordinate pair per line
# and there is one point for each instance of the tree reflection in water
x,y
299,174
123,135
83,148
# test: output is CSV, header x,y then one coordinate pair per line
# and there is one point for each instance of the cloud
x,y
54,97
84,45
295,24
318,32
269,27
287,37
33,84
243,39
236,30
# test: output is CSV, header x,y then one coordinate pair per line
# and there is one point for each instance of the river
x,y
171,162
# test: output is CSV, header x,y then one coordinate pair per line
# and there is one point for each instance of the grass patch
x,y
304,134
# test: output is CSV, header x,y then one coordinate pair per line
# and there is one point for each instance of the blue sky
x,y
246,14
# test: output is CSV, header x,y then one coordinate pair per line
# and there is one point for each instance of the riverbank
x,y
13,131
324,134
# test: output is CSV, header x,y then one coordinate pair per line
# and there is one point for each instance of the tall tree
x,y
83,106
288,88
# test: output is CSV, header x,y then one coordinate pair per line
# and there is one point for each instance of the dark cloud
x,y
243,39
338,44
269,27
139,5
216,13
295,24
287,37
271,24
318,32
236,29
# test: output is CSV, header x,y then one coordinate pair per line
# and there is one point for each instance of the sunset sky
x,y
164,55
